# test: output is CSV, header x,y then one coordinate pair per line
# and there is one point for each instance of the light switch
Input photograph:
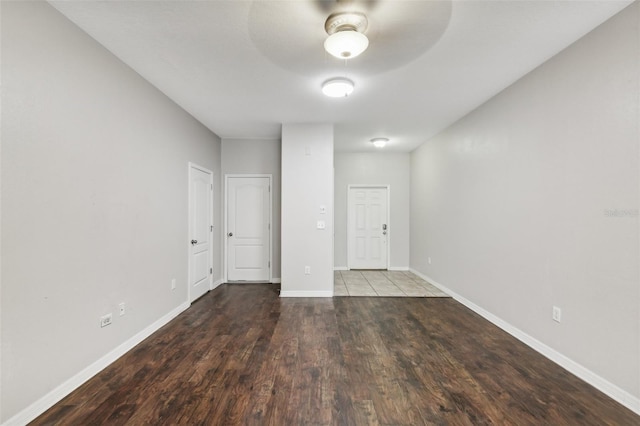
x,y
323,209
321,224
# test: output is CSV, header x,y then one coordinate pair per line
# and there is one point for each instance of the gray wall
x,y
258,156
307,184
94,201
374,168
531,201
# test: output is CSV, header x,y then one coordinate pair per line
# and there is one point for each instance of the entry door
x,y
368,227
200,231
248,228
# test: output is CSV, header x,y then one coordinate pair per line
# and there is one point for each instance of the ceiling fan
x,y
294,35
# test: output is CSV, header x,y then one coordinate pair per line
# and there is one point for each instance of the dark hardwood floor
x,y
242,355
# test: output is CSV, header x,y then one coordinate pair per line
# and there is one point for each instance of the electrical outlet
x,y
307,270
173,284
121,306
557,314
106,320
429,260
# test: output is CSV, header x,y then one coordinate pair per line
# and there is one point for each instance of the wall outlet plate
x,y
106,320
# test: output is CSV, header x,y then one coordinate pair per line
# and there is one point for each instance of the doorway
x,y
248,228
368,226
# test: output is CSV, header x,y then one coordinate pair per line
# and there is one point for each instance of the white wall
x,y
94,201
374,168
258,156
307,184
516,203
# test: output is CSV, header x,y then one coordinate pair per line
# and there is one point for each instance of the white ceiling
x,y
243,68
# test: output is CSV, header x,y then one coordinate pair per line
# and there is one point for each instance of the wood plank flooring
x,y
242,355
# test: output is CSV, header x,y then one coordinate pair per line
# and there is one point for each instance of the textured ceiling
x,y
243,68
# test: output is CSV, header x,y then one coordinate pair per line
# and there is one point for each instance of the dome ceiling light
x,y
337,87
346,39
379,142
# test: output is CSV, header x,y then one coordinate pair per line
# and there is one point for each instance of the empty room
x,y
335,212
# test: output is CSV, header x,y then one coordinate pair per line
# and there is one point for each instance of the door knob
x,y
230,234
194,241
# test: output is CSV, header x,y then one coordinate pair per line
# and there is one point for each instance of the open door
x,y
200,231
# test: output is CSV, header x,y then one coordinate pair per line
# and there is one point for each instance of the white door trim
x,y
353,186
226,199
188,242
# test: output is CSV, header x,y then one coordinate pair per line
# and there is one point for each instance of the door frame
x,y
349,230
189,213
225,244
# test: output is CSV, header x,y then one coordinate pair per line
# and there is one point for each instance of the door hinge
x,y
211,270
269,264
211,228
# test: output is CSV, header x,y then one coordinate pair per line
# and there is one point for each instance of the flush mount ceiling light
x,y
338,87
379,142
346,39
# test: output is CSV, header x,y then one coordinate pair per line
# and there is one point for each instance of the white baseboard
x,y
43,404
390,268
216,283
306,293
275,280
606,387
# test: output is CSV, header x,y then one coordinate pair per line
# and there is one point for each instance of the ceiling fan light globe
x,y
346,44
338,88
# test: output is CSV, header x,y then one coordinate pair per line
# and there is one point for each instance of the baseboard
x,y
43,404
398,268
275,280
390,268
216,284
603,385
306,293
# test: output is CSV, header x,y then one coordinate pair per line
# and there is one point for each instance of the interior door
x,y
200,231
248,228
368,227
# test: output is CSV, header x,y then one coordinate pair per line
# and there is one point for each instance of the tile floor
x,y
383,283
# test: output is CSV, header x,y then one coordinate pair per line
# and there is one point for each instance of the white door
x,y
200,231
248,228
368,227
